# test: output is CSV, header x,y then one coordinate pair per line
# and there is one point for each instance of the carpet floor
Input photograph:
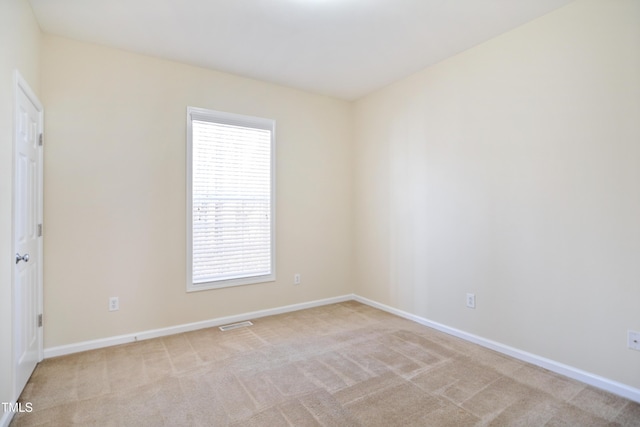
x,y
344,364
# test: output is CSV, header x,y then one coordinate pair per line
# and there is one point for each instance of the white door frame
x,y
21,85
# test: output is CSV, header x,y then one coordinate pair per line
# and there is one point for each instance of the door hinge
x,y
39,230
40,139
39,320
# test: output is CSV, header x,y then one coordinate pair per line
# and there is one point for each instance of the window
x,y
230,199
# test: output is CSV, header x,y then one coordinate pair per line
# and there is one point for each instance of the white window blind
x,y
231,199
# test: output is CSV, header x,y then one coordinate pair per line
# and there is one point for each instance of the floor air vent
x,y
235,326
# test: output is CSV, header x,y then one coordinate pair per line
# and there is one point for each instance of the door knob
x,y
24,258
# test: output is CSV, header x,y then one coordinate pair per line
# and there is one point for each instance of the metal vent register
x,y
235,326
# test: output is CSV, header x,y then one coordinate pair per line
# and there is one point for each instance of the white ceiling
x,y
342,48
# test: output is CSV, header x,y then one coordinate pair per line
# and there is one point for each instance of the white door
x,y
27,231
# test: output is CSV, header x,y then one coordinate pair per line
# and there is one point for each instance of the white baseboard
x,y
557,367
606,384
6,418
155,333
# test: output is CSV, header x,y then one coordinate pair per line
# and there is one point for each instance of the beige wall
x,y
19,49
115,192
512,171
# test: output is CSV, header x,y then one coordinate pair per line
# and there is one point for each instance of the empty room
x,y
320,212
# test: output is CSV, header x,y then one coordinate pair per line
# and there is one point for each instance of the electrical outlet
x,y
633,340
114,304
471,300
296,279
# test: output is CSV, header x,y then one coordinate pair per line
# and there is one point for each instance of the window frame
x,y
203,114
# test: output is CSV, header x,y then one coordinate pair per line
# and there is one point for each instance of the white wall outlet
x,y
114,304
471,300
296,279
633,340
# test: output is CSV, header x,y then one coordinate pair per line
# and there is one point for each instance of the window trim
x,y
203,114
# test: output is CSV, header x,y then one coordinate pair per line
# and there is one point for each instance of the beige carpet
x,y
340,365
